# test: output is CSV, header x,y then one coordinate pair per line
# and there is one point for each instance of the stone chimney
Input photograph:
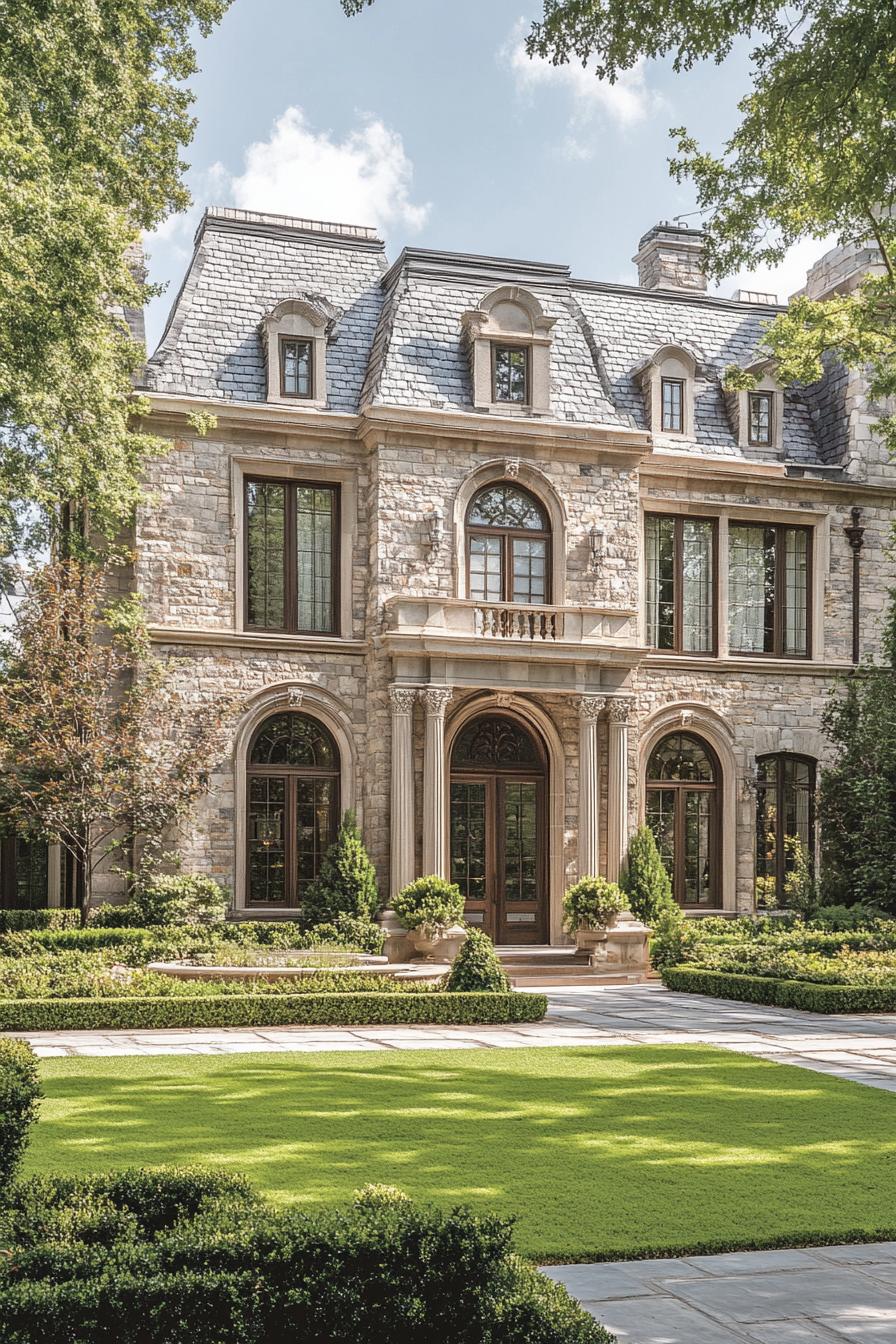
x,y
670,257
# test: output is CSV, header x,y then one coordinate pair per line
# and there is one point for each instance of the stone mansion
x,y
490,555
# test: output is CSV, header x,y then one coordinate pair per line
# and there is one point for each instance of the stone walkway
x,y
862,1049
829,1295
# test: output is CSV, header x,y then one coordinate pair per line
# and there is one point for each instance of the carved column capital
x,y
591,706
619,710
436,699
402,699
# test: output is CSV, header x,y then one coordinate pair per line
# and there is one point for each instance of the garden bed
x,y
808,995
347,1009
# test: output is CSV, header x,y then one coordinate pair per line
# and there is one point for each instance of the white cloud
x,y
625,103
788,277
363,179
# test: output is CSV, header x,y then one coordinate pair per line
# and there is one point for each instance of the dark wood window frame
x,y
751,439
296,340
678,582
527,374
780,593
680,384
779,789
508,536
290,557
290,774
682,786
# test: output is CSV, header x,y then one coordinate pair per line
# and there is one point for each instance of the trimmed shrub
x,y
11,921
346,884
476,967
251,1009
591,904
430,903
222,1270
179,898
644,879
19,1093
356,932
802,994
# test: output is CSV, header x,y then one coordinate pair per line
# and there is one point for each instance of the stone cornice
x,y
170,411
760,665
240,639
687,469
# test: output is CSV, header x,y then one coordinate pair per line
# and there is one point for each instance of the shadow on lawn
x,y
625,1146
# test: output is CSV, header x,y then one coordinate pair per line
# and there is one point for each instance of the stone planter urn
x,y
591,940
437,943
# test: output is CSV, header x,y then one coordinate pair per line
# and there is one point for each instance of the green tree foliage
x,y
814,152
857,794
346,884
476,967
644,879
94,113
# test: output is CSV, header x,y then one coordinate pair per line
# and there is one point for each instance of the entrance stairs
x,y
537,966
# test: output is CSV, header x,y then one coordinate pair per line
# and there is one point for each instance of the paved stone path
x,y
827,1295
860,1048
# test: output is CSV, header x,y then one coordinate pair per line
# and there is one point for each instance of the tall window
x,y
683,813
785,823
510,374
296,358
768,589
293,807
508,546
680,563
673,405
760,410
291,556
24,873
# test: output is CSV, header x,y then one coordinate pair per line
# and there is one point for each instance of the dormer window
x,y
296,364
673,405
510,374
760,411
508,339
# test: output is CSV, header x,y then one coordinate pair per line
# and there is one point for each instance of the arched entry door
x,y
498,828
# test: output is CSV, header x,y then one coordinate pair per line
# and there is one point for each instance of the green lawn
x,y
597,1151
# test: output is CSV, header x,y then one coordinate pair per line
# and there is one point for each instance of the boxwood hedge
x,y
813,998
266,1010
19,1093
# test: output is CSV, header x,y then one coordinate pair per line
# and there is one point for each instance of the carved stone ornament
x,y
512,467
504,699
619,710
591,706
436,699
686,717
402,699
294,696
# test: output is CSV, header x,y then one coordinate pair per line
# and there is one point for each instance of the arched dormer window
x,y
509,342
294,338
667,379
508,546
757,414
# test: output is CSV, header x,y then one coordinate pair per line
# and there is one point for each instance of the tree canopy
x,y
94,113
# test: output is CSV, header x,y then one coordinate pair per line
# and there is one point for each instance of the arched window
x,y
682,789
508,546
785,823
293,807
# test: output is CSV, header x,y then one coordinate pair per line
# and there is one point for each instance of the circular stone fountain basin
x,y
362,963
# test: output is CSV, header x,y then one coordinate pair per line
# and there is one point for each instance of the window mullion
x,y
290,562
678,586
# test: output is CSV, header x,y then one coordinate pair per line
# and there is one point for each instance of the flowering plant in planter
x,y
591,904
428,908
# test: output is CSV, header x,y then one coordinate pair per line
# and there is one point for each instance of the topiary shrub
x,y
19,1093
431,904
476,967
591,904
346,884
179,898
644,879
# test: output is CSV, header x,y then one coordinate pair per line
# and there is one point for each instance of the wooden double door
x,y
497,830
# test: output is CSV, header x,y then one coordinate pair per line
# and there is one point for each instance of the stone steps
x,y
554,967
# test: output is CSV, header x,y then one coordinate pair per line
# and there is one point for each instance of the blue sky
x,y
426,119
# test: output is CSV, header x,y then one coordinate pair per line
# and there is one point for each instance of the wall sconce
x,y
596,543
435,527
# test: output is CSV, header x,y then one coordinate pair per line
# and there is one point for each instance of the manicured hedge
x,y
11,921
266,1010
19,1092
812,998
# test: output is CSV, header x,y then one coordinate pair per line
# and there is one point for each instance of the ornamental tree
x,y
97,751
346,883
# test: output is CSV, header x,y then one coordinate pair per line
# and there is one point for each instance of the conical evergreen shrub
x,y
644,879
476,968
346,883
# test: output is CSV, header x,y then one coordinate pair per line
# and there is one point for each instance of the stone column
x,y
617,786
590,708
402,812
435,850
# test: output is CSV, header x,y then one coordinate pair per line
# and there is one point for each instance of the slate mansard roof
x,y
398,339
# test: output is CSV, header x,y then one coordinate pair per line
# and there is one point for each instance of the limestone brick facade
x,y
415,652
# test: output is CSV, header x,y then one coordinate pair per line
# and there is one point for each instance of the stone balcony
x,y
459,628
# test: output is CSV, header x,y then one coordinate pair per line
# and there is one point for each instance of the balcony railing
x,y
504,624
505,620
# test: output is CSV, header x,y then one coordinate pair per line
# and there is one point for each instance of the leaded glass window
x,y
508,546
682,810
24,873
785,824
680,572
296,359
510,374
291,556
673,405
768,589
